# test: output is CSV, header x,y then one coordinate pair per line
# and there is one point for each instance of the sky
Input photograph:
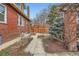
x,y
36,8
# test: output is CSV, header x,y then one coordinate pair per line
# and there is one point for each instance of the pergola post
x,y
70,30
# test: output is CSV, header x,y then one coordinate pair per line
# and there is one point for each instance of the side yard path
x,y
36,48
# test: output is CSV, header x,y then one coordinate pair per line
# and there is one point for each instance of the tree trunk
x,y
70,30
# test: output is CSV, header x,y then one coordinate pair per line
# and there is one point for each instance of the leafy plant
x,y
5,52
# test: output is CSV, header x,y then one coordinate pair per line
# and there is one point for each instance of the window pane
x,y
20,20
1,17
2,11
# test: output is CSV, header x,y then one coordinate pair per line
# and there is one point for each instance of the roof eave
x,y
18,10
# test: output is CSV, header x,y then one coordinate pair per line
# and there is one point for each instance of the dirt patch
x,y
17,49
41,36
52,45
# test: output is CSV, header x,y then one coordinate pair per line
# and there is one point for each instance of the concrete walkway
x,y
36,48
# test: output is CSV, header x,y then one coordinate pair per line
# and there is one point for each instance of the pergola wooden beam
x,y
68,6
70,37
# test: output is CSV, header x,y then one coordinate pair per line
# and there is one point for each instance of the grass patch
x,y
5,52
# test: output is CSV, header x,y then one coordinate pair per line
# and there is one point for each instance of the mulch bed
x,y
41,36
53,45
17,49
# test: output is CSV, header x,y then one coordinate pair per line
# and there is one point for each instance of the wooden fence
x,y
39,28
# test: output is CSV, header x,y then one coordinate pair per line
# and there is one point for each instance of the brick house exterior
x,y
13,22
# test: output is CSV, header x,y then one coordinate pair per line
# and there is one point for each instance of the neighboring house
x,y
13,21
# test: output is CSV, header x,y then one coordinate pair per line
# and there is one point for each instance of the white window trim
x,y
19,20
5,15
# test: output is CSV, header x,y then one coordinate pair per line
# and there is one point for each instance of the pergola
x,y
70,26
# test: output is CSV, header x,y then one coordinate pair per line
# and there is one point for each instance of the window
x,y
77,17
20,21
2,13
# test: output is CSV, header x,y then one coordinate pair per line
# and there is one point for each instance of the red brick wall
x,y
11,29
27,26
